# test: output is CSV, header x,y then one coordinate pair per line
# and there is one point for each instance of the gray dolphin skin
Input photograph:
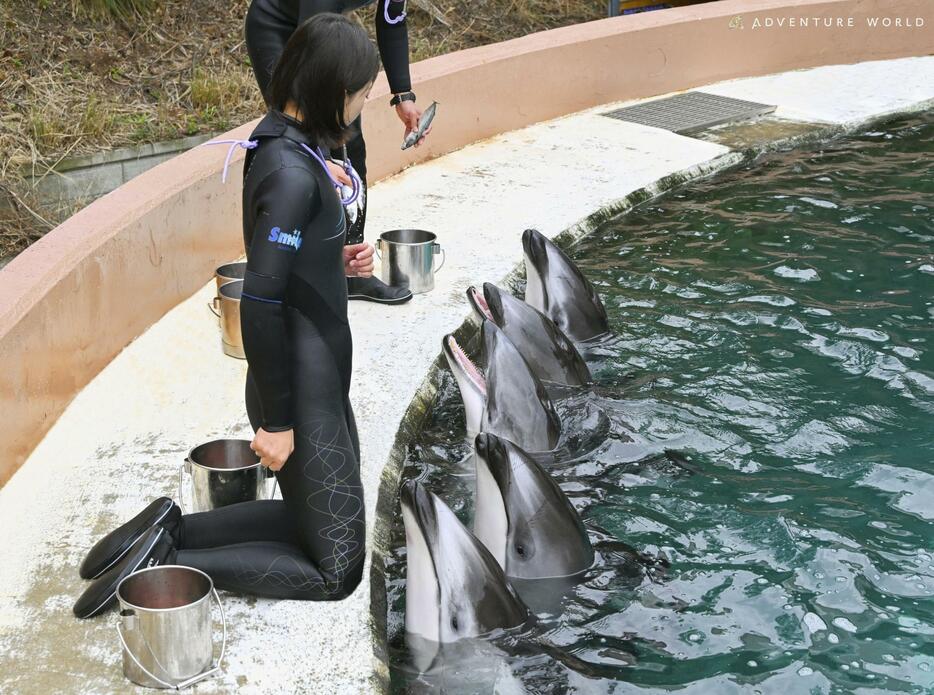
x,y
509,400
549,352
523,517
556,287
517,406
454,586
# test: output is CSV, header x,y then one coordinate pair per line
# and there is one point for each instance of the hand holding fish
x,y
411,115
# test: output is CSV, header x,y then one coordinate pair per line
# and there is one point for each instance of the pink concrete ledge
x,y
78,296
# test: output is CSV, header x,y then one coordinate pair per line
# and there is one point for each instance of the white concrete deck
x,y
120,442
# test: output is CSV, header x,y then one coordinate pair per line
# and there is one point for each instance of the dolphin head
x,y
523,517
454,587
549,352
478,303
470,381
488,303
517,406
556,287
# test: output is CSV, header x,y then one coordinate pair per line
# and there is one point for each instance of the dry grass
x,y
89,75
103,9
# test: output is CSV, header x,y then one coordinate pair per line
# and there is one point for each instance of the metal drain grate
x,y
690,111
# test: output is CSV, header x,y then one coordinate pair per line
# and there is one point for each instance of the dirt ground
x,y
74,84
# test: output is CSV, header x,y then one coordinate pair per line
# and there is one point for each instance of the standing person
x,y
311,544
269,23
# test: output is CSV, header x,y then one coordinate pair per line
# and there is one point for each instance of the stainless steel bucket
x,y
165,626
222,472
408,257
227,307
229,272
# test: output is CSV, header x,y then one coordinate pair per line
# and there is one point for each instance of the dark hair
x,y
328,57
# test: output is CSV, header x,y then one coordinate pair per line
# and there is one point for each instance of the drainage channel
x,y
690,111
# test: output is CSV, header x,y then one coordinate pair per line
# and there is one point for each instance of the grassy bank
x,y
78,77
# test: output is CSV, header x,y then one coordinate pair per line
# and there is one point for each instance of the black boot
x,y
155,547
110,549
375,290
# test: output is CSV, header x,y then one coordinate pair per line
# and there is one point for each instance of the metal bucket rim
x,y
124,602
227,287
219,270
219,470
432,240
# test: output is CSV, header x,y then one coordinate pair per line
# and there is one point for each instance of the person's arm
x,y
393,43
392,39
287,201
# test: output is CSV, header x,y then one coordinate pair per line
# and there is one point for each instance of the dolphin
x,y
556,287
523,517
454,587
509,400
549,352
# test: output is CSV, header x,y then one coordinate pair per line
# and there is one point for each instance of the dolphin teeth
x,y
472,370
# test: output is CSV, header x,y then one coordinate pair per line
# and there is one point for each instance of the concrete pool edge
x,y
417,415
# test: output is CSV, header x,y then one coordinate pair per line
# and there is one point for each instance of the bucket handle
x,y
436,248
212,305
194,679
376,248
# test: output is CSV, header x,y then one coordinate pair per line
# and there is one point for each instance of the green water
x,y
773,326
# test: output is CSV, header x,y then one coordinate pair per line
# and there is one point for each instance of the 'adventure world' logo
x,y
795,22
284,239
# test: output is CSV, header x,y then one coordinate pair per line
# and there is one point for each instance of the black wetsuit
x,y
270,23
311,544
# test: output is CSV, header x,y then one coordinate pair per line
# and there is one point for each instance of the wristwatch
x,y
405,96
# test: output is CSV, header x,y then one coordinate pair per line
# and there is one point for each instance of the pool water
x,y
773,331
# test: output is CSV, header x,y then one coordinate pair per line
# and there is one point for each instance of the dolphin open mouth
x,y
479,303
466,364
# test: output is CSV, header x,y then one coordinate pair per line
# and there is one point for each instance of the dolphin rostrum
x,y
523,517
454,587
509,400
556,287
549,352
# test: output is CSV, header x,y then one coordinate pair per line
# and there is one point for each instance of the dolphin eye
x,y
454,622
521,550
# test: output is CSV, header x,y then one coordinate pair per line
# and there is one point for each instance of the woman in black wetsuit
x,y
311,544
270,23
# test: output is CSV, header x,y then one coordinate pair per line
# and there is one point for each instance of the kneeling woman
x,y
311,544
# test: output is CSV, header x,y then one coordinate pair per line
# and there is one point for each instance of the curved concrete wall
x,y
78,296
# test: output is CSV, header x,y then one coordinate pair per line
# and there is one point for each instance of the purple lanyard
x,y
354,177
398,19
245,144
252,144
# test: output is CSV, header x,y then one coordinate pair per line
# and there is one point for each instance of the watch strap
x,y
399,98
